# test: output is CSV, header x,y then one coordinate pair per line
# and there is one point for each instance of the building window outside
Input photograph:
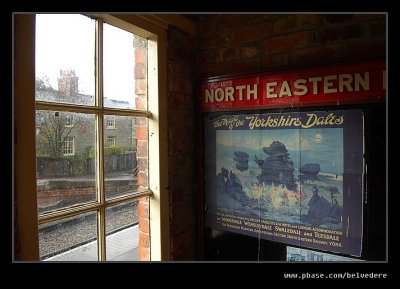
x,y
69,120
68,147
105,191
110,121
111,141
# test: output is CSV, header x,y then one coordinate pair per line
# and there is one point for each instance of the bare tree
x,y
43,83
55,128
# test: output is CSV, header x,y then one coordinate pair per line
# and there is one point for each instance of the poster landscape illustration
x,y
294,178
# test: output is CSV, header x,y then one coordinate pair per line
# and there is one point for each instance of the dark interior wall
x,y
239,44
247,43
181,57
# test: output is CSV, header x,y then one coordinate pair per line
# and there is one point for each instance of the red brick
x,y
338,18
175,70
206,57
245,65
252,33
179,117
370,49
289,23
173,85
226,54
279,59
141,55
142,164
180,85
186,86
315,54
286,42
144,254
142,148
180,101
141,189
307,21
140,71
182,39
185,146
207,28
328,35
184,246
285,23
142,179
144,225
141,120
141,132
144,200
250,51
353,31
139,42
141,86
257,18
208,69
144,240
230,22
143,210
213,42
182,54
140,103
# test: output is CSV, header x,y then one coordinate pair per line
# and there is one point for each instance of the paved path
x,y
121,246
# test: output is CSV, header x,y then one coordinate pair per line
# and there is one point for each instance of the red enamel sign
x,y
339,84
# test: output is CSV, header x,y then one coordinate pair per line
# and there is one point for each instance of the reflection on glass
x,y
65,50
304,255
71,239
65,154
120,69
125,154
122,231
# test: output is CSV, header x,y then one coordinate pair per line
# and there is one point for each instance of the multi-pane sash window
x,y
111,141
110,121
88,181
68,147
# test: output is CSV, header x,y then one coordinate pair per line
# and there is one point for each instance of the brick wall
x,y
140,45
245,43
182,135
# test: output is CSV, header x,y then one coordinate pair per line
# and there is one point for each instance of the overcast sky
x,y
67,41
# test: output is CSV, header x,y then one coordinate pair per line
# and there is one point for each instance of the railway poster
x,y
293,177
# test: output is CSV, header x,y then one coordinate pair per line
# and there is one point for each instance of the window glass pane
x,y
124,69
65,54
66,164
71,239
122,231
125,155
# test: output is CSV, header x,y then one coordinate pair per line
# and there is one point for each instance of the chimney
x,y
68,82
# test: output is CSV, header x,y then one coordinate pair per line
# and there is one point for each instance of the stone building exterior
x,y
118,130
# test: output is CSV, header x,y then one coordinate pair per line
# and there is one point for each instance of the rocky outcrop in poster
x,y
295,178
